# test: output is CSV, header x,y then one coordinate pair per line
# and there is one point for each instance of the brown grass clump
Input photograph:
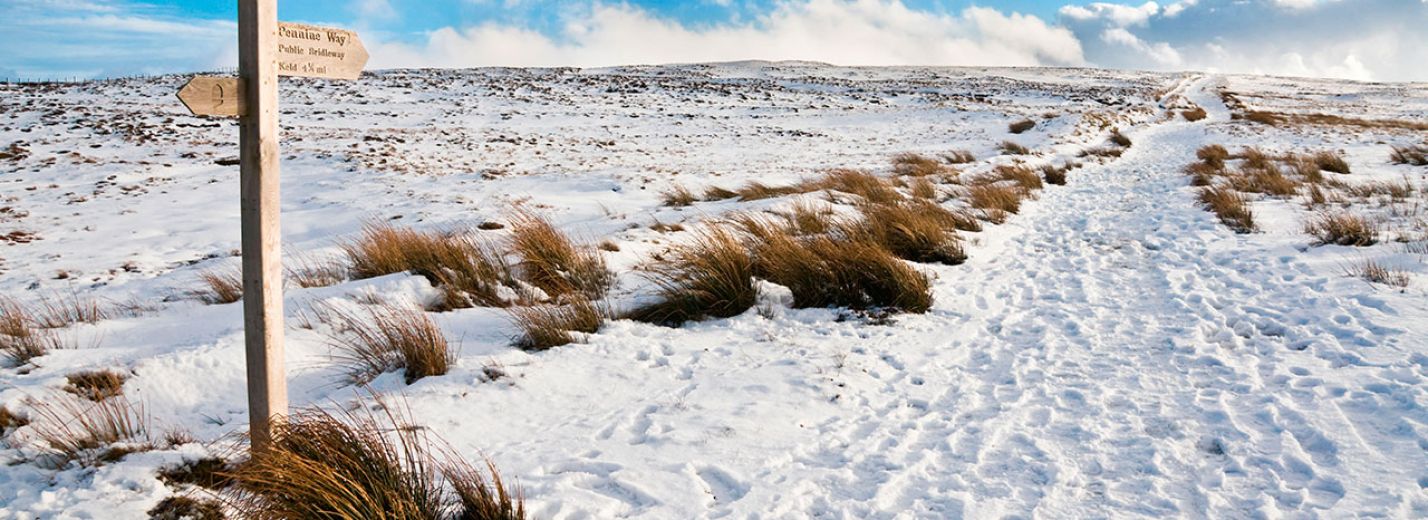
x,y
548,326
959,157
220,287
712,277
678,196
1202,174
863,184
916,165
1342,228
807,218
1194,114
1213,155
1276,118
95,385
1102,151
1230,206
1021,126
206,472
62,311
1012,148
1255,158
84,431
919,232
1331,162
1269,180
756,190
995,198
716,193
9,420
1416,155
555,264
387,337
358,466
1264,118
1053,174
923,189
179,507
1375,272
308,272
470,272
1021,175
1119,139
20,338
824,271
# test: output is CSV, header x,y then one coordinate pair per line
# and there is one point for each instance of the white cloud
x,y
1366,39
846,32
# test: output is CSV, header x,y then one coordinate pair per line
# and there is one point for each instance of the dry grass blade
x,y
386,337
712,277
470,272
220,287
1230,206
924,189
717,193
548,326
755,190
482,495
1269,180
84,431
359,466
1342,228
552,262
95,385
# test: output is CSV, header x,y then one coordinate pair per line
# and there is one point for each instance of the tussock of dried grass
x,y
548,326
95,385
824,271
863,184
1331,162
384,337
359,466
959,157
76,429
1021,126
916,165
1376,272
220,287
21,338
1213,155
711,277
678,196
308,272
1416,155
1342,228
552,262
1012,148
1194,114
916,231
1230,206
995,198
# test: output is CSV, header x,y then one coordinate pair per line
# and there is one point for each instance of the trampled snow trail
x,y
1123,355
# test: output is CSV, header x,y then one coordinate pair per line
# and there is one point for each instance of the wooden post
x,y
262,260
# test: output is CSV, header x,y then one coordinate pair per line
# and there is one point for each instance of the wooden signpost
x,y
267,49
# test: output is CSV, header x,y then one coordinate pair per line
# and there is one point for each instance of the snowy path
x,y
1124,356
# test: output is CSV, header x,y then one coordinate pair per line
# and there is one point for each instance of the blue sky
x,y
1359,39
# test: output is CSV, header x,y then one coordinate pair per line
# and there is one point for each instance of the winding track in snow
x,y
1123,355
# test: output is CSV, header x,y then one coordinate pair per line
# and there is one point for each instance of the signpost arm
x,y
262,261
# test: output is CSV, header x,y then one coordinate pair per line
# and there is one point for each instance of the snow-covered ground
x,y
1111,351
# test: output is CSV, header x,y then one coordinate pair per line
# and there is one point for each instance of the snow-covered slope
x,y
1111,351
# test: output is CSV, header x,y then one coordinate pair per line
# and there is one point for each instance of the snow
x,y
1112,351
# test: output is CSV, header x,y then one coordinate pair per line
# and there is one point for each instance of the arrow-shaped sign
x,y
213,96
319,52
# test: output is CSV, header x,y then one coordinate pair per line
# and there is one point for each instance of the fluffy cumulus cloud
x,y
1383,40
856,32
